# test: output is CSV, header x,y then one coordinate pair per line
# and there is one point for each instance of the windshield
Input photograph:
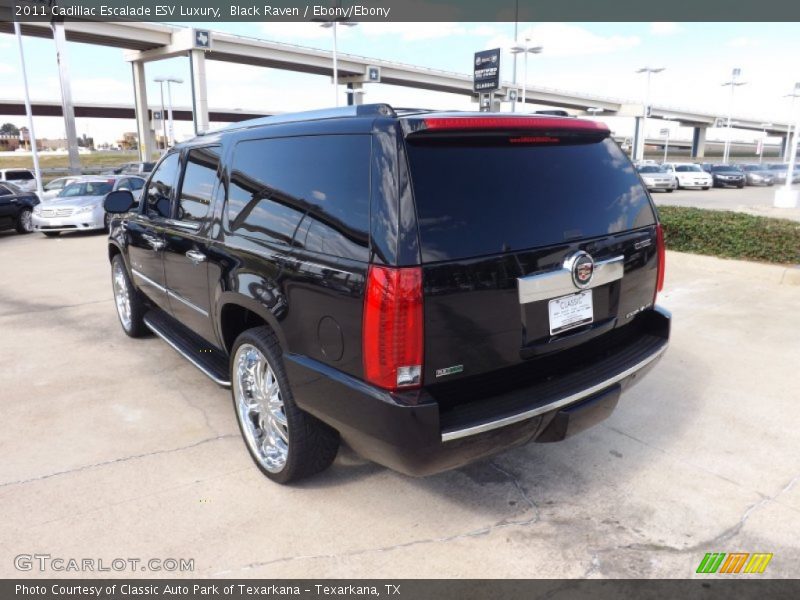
x,y
86,188
477,199
688,169
777,167
719,168
651,169
19,175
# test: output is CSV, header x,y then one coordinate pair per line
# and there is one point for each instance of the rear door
x,y
186,241
510,224
8,205
146,231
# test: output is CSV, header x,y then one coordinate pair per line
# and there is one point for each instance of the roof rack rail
x,y
362,110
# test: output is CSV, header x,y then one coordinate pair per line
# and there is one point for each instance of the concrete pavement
x,y
753,200
119,448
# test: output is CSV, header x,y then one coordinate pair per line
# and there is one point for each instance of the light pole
x,y
666,139
639,150
793,95
763,141
786,197
734,83
333,24
527,49
516,30
163,111
32,136
168,80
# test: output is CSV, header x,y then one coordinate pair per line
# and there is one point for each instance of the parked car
x,y
341,272
54,187
756,174
656,177
779,171
135,168
726,175
22,178
79,205
689,175
16,208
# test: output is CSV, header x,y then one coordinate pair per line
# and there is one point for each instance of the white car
x,y
22,178
79,206
656,178
690,175
53,188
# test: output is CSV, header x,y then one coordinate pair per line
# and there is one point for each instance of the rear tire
x,y
24,223
706,188
51,233
130,306
670,190
286,443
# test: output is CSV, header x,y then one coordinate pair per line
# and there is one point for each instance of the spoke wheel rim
x,y
260,408
26,220
122,296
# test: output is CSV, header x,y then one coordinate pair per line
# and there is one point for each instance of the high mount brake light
x,y
527,123
392,332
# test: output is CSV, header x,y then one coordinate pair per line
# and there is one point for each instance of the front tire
x,y
24,222
286,443
51,233
128,300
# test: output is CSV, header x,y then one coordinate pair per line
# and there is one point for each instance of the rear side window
x,y
199,181
476,199
310,191
19,175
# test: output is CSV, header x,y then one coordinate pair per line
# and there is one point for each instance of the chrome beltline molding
x,y
169,292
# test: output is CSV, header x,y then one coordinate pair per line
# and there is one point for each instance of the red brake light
x,y
392,335
541,123
661,259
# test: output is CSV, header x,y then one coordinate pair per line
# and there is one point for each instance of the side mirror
x,y
120,201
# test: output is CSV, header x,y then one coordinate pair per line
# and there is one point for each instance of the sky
x,y
595,58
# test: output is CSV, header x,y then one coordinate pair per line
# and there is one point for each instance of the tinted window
x,y
19,175
4,191
199,181
475,200
316,185
159,190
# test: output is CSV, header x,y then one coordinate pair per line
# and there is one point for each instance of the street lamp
x,y
787,197
333,24
666,139
734,83
763,141
161,79
793,95
650,71
526,48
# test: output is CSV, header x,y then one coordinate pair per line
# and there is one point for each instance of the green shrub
x,y
730,234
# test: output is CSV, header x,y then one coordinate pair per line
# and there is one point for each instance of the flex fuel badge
x,y
449,370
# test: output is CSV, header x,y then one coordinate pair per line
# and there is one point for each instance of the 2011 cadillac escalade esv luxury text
x,y
428,287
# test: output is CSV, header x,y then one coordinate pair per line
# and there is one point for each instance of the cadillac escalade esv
x,y
429,287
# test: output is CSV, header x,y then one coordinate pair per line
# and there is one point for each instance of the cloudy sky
x,y
597,58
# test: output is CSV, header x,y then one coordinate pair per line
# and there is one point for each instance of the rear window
x,y
19,175
475,200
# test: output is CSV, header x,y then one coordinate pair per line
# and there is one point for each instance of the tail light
x,y
661,259
392,334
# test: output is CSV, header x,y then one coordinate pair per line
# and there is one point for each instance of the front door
x,y
146,232
186,242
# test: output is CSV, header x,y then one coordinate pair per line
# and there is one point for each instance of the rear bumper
x,y
415,434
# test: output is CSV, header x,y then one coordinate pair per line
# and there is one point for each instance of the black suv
x,y
429,287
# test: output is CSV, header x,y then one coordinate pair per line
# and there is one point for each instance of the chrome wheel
x,y
26,221
260,409
122,295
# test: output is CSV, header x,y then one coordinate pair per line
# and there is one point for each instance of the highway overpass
x,y
147,42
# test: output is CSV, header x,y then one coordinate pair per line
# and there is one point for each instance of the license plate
x,y
571,311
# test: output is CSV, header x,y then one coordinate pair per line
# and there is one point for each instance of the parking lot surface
x,y
751,199
119,448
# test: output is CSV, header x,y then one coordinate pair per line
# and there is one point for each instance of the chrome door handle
x,y
155,243
195,256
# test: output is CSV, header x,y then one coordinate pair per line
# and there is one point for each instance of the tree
x,y
9,129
